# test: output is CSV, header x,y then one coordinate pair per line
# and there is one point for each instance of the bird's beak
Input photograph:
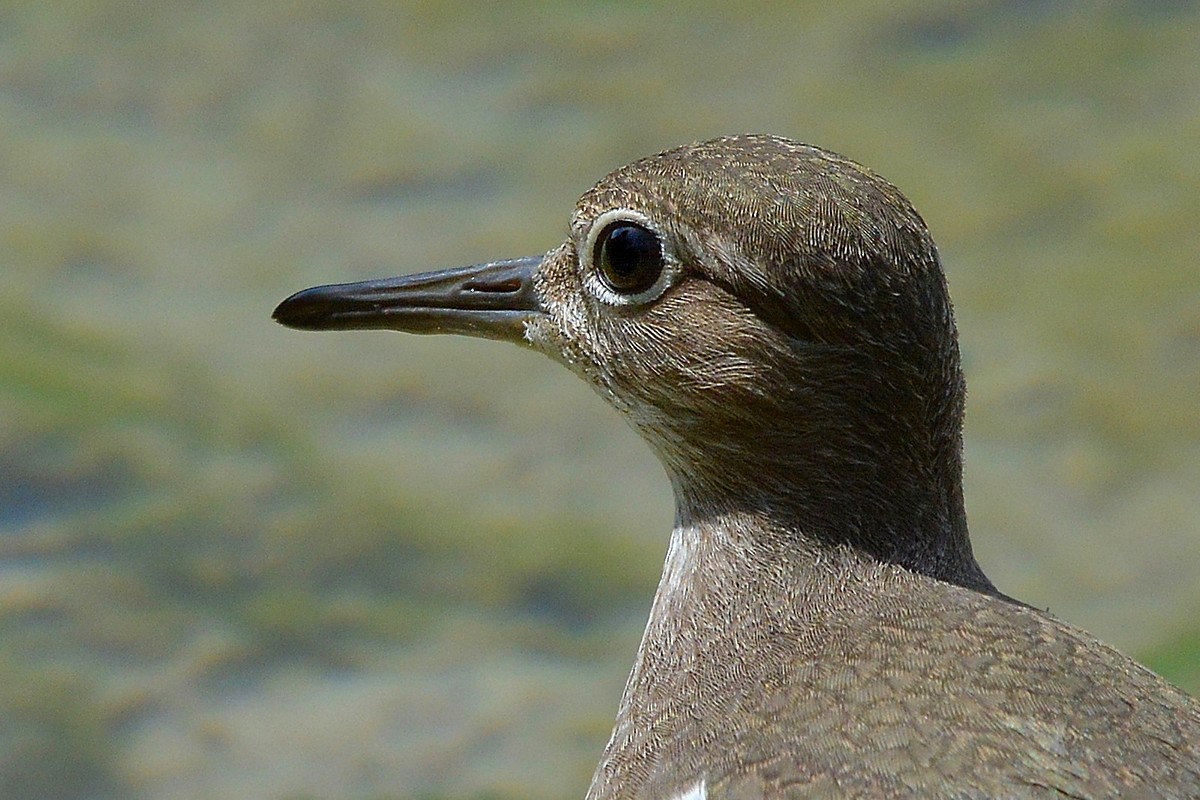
x,y
493,301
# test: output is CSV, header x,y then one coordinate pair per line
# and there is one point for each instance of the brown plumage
x,y
774,320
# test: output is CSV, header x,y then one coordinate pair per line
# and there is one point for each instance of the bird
x,y
774,320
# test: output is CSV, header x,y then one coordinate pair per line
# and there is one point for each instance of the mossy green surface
x,y
55,741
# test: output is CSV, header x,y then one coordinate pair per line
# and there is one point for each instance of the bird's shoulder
x,y
903,685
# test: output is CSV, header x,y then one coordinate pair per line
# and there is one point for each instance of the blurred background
x,y
242,561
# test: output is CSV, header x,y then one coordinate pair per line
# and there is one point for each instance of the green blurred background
x,y
241,561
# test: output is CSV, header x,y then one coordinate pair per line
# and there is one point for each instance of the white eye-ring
x,y
626,260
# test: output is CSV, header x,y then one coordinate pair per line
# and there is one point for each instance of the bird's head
x,y
771,317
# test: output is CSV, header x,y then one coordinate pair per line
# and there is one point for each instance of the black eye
x,y
628,257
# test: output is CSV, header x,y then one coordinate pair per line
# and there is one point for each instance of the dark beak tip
x,y
296,312
285,313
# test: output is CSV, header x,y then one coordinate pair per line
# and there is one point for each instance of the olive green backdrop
x,y
242,561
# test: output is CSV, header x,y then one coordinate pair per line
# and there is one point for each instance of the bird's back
x,y
867,680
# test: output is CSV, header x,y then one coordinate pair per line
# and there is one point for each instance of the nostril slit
x,y
508,285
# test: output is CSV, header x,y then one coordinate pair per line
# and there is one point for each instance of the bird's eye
x,y
628,257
